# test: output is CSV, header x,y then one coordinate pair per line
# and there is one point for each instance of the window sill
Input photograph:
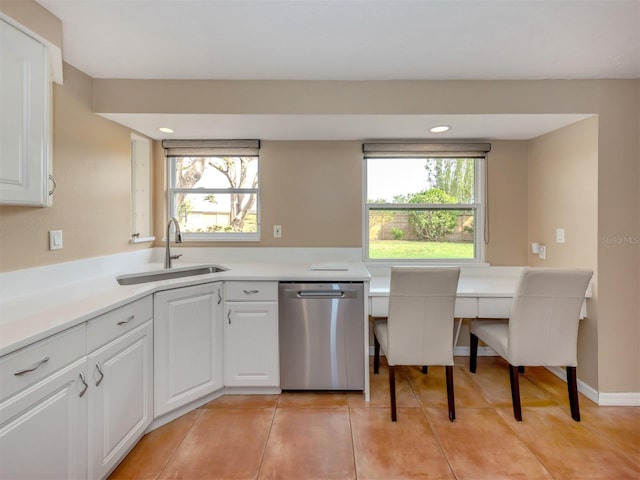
x,y
141,239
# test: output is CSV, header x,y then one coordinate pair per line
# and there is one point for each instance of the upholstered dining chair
x,y
542,329
419,326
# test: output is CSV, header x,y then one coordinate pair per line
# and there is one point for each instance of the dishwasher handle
x,y
320,294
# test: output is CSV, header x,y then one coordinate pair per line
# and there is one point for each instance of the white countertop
x,y
496,282
31,317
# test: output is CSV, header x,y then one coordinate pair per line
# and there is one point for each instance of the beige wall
x,y
507,203
618,238
313,189
91,205
563,193
35,17
91,163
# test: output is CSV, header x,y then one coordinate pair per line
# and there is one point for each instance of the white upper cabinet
x,y
25,123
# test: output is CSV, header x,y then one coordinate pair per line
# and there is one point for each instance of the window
x,y
214,188
424,202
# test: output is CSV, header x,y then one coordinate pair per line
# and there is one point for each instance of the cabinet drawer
x,y
109,326
379,306
251,291
31,364
494,307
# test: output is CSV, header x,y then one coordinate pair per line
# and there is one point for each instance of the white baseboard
x,y
630,399
625,399
457,351
482,351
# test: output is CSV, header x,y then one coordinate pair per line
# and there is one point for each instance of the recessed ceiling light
x,y
166,130
440,129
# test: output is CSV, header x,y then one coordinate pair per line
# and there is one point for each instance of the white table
x,y
483,292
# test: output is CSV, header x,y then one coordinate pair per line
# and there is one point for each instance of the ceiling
x,y
350,40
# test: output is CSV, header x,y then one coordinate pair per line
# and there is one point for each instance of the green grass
x,y
415,249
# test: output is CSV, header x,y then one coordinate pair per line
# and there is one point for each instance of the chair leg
x,y
425,369
450,395
572,384
515,392
376,355
392,391
473,352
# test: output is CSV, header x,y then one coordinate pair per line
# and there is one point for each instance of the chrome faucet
x,y
168,257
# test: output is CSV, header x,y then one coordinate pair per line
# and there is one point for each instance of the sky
x,y
388,177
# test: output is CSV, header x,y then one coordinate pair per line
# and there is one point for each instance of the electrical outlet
x,y
277,231
542,252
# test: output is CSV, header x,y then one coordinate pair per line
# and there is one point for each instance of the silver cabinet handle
x,y
33,368
219,297
122,322
251,292
53,181
84,390
229,316
99,369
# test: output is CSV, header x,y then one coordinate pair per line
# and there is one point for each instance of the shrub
x,y
434,224
398,233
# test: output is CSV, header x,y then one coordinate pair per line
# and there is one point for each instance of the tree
x,y
432,225
190,170
454,176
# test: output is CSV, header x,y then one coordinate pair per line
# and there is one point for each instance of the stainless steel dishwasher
x,y
321,336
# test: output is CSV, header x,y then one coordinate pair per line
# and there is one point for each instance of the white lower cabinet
x,y
188,349
120,397
43,429
43,408
251,335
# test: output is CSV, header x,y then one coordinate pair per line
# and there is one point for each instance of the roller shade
x,y
409,150
211,148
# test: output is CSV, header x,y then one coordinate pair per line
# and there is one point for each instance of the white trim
x,y
464,351
141,239
588,391
624,399
629,399
54,51
479,207
457,352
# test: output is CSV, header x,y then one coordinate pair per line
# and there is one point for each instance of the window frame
x,y
212,236
479,206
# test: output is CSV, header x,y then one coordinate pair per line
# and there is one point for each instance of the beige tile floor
x,y
338,436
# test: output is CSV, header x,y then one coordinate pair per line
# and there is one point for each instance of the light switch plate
x,y
559,235
55,239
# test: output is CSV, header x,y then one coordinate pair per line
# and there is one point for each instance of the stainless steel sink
x,y
168,274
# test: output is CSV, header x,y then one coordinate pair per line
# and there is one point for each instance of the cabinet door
x,y
187,345
120,397
251,344
43,429
25,99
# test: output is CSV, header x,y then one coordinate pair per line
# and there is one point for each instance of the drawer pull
x,y
122,322
99,369
84,390
31,369
219,297
251,292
